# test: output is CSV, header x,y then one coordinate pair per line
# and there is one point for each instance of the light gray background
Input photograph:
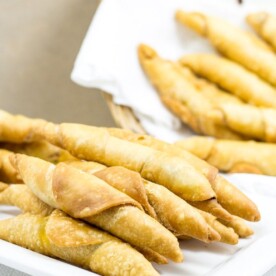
x,y
39,41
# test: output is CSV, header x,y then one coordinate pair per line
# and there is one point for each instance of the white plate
x,y
251,257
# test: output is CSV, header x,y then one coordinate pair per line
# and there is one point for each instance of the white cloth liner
x,y
108,57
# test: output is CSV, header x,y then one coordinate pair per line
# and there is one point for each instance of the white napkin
x,y
108,57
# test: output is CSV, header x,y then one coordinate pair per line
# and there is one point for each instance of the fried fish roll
x,y
265,25
234,156
257,123
184,220
213,207
180,95
216,181
96,144
8,173
40,149
60,236
22,197
68,140
18,128
238,45
177,215
227,234
201,113
238,205
87,197
209,89
124,180
209,171
200,123
3,186
233,78
239,226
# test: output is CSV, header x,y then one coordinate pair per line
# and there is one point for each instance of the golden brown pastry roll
x,y
239,205
213,207
180,95
177,215
203,115
40,149
198,145
3,186
18,128
216,182
21,196
8,173
211,91
232,77
62,237
234,156
130,183
254,122
200,123
238,45
87,166
146,140
265,25
184,220
124,180
52,131
239,226
227,234
235,202
87,197
96,144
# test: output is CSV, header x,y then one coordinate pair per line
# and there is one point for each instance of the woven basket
x,y
123,116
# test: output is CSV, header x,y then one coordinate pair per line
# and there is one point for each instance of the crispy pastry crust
x,y
216,182
240,46
234,156
87,197
96,144
239,226
218,118
265,25
40,149
63,237
233,78
227,234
